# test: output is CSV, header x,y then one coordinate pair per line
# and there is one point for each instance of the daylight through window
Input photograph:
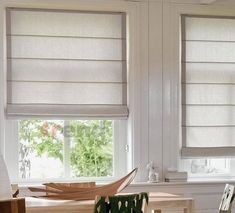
x,y
61,148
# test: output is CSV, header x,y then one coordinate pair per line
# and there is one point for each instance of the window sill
x,y
189,182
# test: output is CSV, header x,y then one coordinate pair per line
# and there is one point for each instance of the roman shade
x,y
208,86
66,63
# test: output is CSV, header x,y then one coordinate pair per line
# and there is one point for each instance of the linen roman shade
x,y
208,86
66,63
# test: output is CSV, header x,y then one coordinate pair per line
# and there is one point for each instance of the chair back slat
x,y
227,199
131,203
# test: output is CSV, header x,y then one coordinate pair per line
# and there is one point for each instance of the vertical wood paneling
x,y
155,84
170,93
134,121
144,105
2,80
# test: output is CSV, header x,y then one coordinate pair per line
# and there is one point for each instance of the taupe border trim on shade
x,y
191,152
67,111
62,10
206,16
54,36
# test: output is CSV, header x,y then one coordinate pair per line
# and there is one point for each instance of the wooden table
x,y
157,202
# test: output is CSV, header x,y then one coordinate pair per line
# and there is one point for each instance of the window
x,y
66,93
208,86
66,149
205,168
41,145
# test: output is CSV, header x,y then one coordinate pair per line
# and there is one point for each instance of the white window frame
x,y
119,155
133,123
172,75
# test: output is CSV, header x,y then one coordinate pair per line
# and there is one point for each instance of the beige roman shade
x,y
66,63
208,86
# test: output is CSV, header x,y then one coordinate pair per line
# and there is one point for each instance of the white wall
x,y
163,70
163,74
160,68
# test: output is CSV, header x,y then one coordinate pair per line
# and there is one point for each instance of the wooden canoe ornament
x,y
89,191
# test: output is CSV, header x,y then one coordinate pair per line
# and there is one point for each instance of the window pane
x,y
65,149
204,167
40,149
91,148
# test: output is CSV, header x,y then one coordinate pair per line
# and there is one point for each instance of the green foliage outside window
x,y
91,150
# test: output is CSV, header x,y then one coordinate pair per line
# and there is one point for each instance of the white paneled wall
x,y
160,67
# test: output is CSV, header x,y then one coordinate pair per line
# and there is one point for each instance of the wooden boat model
x,y
86,191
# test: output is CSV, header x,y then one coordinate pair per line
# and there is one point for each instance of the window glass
x,y
206,167
64,149
91,148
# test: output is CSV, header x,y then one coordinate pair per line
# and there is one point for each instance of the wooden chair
x,y
130,203
227,199
14,205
